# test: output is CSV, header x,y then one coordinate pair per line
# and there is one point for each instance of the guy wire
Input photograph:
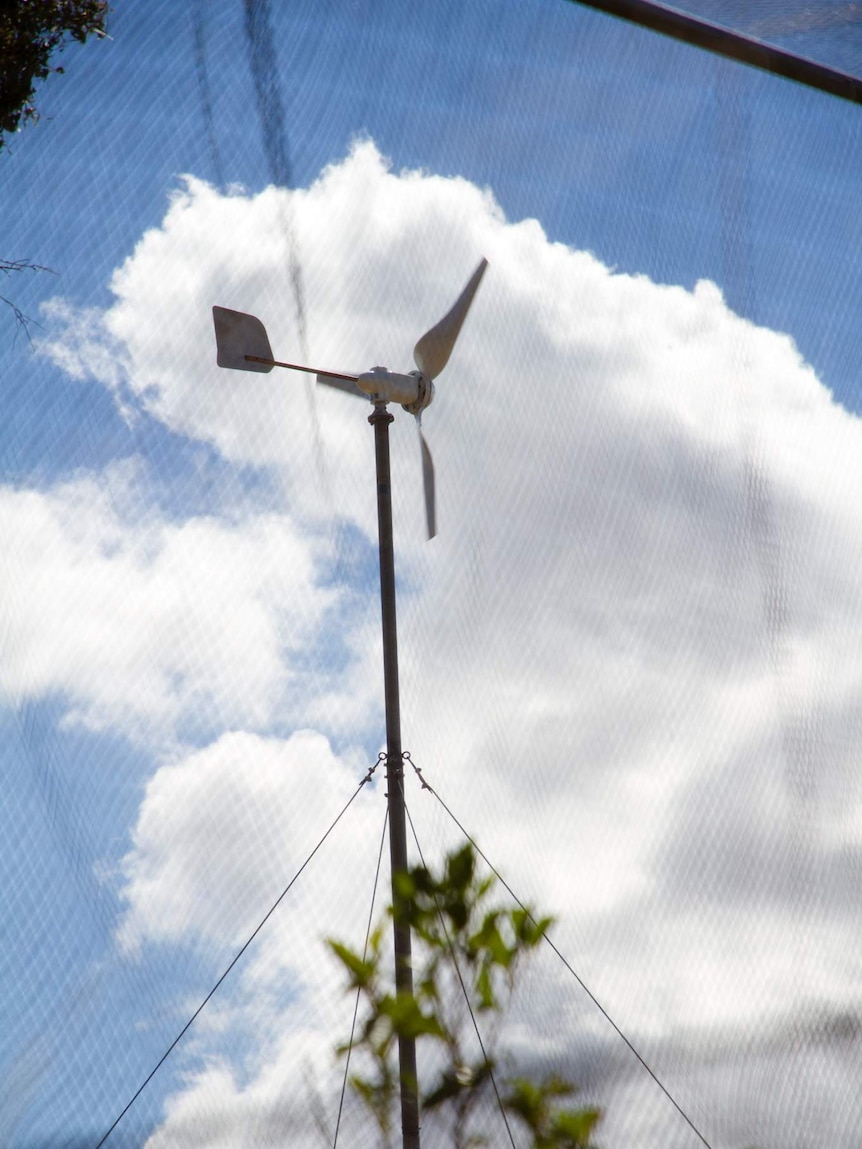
x,y
358,989
427,786
232,963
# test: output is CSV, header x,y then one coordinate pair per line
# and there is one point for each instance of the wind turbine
x,y
243,344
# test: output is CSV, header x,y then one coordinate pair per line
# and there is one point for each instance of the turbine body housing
x,y
389,386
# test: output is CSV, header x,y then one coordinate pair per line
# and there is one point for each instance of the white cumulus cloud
x,y
152,626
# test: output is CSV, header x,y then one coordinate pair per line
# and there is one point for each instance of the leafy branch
x,y
469,951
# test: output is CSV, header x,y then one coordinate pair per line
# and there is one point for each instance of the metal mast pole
x,y
380,421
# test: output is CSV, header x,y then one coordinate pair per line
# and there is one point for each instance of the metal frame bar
x,y
732,45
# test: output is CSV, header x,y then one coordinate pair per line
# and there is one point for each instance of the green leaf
x,y
457,1080
407,1018
404,885
457,909
525,1099
484,886
556,1086
530,930
449,1087
485,989
460,868
361,972
572,1127
491,941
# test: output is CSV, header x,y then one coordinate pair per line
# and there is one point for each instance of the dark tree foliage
x,y
31,31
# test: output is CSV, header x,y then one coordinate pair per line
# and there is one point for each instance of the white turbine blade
x,y
431,353
428,483
239,335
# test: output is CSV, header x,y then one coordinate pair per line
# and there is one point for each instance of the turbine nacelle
x,y
414,392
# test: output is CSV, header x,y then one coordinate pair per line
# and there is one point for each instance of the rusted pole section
x,y
380,421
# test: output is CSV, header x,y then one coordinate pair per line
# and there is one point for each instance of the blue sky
x,y
639,619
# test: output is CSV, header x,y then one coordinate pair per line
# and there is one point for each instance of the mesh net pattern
x,y
629,662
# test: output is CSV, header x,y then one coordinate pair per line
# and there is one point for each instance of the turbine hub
x,y
425,396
